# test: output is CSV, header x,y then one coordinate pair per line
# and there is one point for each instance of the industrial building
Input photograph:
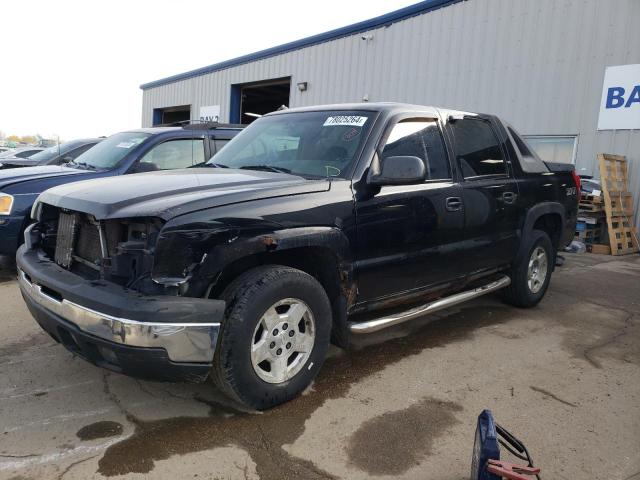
x,y
566,73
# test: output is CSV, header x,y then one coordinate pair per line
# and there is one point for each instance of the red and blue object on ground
x,y
486,463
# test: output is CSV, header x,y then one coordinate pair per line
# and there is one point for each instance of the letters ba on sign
x,y
620,103
210,113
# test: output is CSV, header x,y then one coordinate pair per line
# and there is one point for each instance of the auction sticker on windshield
x,y
130,143
345,120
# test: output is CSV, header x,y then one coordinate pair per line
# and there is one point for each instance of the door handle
x,y
509,197
453,204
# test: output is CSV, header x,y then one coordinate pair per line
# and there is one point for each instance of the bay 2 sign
x,y
620,102
210,113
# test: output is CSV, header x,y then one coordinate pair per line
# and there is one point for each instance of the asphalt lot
x,y
564,377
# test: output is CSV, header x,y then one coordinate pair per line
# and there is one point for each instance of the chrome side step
x,y
371,326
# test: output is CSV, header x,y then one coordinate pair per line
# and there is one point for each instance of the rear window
x,y
529,161
477,148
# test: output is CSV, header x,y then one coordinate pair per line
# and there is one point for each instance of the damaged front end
x,y
119,251
89,283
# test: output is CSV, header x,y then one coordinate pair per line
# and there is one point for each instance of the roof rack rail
x,y
209,125
200,125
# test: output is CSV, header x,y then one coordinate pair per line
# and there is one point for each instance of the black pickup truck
x,y
312,225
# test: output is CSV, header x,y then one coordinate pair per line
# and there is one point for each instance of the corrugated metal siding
x,y
538,64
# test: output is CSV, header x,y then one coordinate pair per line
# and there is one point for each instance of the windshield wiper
x,y
267,168
84,165
215,165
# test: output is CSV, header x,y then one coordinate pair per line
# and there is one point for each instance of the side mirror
x,y
401,170
143,167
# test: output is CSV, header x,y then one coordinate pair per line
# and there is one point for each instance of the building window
x,y
554,148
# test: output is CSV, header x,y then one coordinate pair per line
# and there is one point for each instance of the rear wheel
x,y
530,276
274,338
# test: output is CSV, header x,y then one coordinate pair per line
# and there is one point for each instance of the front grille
x,y
65,239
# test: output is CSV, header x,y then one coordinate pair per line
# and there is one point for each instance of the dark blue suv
x,y
134,151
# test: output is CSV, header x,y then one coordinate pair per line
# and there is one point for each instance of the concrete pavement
x,y
564,377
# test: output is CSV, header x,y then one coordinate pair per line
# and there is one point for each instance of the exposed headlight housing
x,y
6,204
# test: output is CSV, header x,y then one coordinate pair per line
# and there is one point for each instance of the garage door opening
x,y
249,101
171,115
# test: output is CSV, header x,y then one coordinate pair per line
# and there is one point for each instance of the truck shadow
x,y
263,436
7,269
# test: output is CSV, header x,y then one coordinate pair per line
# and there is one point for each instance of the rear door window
x,y
219,143
477,148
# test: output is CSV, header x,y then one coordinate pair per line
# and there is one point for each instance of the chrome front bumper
x,y
183,342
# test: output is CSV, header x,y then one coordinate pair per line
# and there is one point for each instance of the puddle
x,y
263,436
396,441
99,430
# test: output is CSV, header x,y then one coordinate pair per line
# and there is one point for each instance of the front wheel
x,y
530,276
274,338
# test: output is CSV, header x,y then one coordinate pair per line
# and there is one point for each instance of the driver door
x,y
407,235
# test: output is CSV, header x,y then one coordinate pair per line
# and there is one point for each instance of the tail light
x,y
576,179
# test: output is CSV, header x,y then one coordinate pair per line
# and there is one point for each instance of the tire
x,y
520,293
251,302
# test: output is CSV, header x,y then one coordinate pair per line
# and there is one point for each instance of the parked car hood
x,y
13,162
171,193
18,175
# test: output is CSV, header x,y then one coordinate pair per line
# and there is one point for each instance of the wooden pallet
x,y
599,249
618,204
590,198
591,204
589,236
590,207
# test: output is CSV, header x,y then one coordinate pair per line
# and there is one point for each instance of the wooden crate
x,y
590,207
591,203
589,236
590,198
599,249
618,204
622,236
589,232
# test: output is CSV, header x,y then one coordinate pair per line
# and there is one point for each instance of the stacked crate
x,y
591,227
618,204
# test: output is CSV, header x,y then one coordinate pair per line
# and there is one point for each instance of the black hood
x,y
17,175
172,193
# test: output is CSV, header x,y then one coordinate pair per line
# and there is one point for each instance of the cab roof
x,y
387,107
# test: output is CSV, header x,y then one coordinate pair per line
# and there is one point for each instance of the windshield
x,y
52,152
108,153
314,144
20,153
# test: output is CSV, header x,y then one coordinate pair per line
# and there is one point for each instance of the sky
x,y
73,68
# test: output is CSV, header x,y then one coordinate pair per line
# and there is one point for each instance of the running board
x,y
371,326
